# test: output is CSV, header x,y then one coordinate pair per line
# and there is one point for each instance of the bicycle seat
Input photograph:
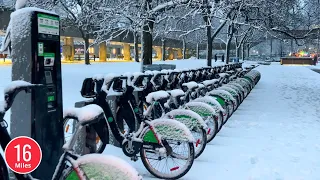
x,y
166,71
190,86
176,93
230,72
210,82
233,77
157,96
89,114
223,75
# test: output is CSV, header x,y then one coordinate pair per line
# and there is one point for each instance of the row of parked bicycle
x,y
166,118
169,116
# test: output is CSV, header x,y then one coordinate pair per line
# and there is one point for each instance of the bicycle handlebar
x,y
13,89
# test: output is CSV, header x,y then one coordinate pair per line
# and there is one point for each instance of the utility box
x,y
35,44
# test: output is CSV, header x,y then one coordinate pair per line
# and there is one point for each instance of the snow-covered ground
x,y
274,135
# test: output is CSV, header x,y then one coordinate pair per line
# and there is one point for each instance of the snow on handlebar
x,y
12,90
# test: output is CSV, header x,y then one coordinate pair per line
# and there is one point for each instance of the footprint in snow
x,y
302,136
254,160
294,158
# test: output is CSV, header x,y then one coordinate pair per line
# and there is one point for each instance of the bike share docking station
x,y
35,51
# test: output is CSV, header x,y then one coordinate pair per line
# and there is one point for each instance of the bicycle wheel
x,y
230,109
4,175
238,90
69,126
220,120
172,166
235,96
212,124
226,113
200,136
100,167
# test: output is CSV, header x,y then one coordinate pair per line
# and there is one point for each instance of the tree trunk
x,y
238,51
243,52
163,49
271,50
207,19
209,47
146,39
281,48
248,50
198,53
136,47
228,50
86,49
229,40
184,49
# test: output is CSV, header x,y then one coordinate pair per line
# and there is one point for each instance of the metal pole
x,y
318,43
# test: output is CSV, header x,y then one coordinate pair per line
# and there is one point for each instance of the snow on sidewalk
x,y
274,133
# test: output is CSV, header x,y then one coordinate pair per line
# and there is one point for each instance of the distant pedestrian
x,y
315,59
222,58
216,57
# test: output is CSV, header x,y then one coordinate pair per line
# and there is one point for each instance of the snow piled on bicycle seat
x,y
167,71
97,166
15,85
188,118
201,86
172,129
210,82
191,85
84,114
155,96
223,74
176,92
152,72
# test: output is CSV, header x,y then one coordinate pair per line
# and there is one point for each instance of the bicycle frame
x,y
100,100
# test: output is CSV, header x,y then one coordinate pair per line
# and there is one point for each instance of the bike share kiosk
x,y
35,47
